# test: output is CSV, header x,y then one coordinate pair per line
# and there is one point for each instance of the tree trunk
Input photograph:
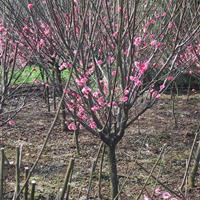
x,y
113,171
63,112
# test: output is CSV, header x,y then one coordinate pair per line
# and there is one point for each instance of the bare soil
x,y
143,141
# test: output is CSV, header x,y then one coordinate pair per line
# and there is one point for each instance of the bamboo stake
x,y
33,190
17,173
26,186
1,173
68,186
189,159
100,172
93,169
67,177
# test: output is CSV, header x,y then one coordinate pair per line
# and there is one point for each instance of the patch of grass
x,y
65,74
29,74
26,75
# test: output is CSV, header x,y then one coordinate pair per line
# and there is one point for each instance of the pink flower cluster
x,y
137,41
142,67
155,44
30,6
65,65
158,193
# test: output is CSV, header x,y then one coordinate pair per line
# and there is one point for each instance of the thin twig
x,y
152,170
159,182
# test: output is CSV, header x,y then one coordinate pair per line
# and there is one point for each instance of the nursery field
x,y
137,152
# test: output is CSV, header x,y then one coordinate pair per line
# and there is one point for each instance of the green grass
x,y
29,74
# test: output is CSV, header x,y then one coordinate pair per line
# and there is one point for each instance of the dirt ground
x,y
143,142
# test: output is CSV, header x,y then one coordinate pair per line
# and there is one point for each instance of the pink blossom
x,y
47,31
155,43
61,67
66,91
152,36
11,122
158,191
126,52
115,34
155,94
82,81
146,197
101,101
136,80
82,116
124,99
162,87
86,90
110,59
114,104
166,195
81,126
95,108
157,16
96,94
2,29
132,78
72,126
142,66
137,41
193,90
41,43
100,51
152,21
170,78
81,113
126,92
92,124
77,30
30,6
70,106
114,73
66,65
170,25
99,62
119,9
26,29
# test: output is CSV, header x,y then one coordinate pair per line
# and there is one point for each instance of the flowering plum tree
x,y
11,57
120,55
